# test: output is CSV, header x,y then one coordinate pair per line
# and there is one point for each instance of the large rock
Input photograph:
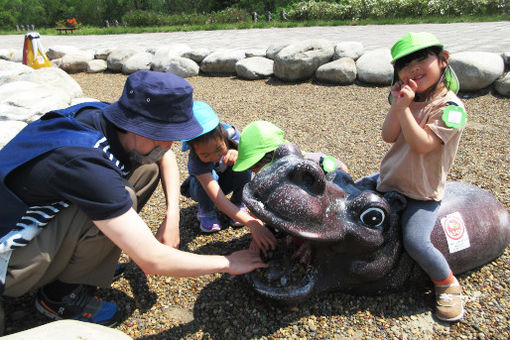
x,y
69,329
222,62
342,72
502,85
137,62
103,53
117,57
96,65
273,49
7,54
58,51
254,68
183,67
349,49
198,54
10,71
163,54
74,63
477,70
9,129
374,67
299,61
27,101
55,77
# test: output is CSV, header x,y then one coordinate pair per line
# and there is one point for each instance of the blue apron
x,y
20,223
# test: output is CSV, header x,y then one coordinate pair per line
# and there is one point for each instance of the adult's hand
x,y
244,261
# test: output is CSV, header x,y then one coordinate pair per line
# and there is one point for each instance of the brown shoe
x,y
449,303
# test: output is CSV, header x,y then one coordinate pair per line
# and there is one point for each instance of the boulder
x,y
7,54
222,62
163,54
103,53
299,61
502,85
74,63
255,53
349,49
374,67
9,129
69,329
273,49
198,54
55,77
254,68
117,57
477,70
10,71
506,58
96,65
138,61
58,51
26,101
341,71
183,67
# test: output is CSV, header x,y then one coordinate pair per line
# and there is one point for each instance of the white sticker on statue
x,y
455,232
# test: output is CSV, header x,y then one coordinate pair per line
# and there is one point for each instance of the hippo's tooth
x,y
283,281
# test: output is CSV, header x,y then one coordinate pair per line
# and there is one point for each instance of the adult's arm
x,y
130,233
168,232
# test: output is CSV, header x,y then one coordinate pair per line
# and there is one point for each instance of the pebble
x,y
343,121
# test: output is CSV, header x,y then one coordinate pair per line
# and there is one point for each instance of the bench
x,y
65,29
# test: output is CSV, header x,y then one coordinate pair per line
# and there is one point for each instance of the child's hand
x,y
262,237
244,261
230,157
403,93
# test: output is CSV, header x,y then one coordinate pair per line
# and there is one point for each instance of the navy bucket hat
x,y
157,106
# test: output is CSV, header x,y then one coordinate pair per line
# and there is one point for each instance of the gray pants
x,y
71,248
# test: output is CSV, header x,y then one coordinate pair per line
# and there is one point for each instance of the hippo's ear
x,y
286,149
397,201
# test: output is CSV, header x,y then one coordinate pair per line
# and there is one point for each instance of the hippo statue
x,y
337,234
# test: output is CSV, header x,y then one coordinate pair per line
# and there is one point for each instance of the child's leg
x,y
418,221
231,181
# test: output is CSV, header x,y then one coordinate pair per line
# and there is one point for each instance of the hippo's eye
x,y
373,217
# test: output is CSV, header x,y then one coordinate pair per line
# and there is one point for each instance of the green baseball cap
x,y
412,42
257,139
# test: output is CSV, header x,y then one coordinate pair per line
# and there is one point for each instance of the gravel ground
x,y
344,121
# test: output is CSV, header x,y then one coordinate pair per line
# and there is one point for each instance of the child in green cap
x,y
424,125
258,141
212,155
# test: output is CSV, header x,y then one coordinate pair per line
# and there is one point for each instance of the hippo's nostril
x,y
309,178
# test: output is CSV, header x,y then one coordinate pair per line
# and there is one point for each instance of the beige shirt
x,y
422,176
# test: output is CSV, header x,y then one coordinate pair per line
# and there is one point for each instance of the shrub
x,y
230,15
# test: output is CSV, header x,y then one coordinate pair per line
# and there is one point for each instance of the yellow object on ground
x,y
33,52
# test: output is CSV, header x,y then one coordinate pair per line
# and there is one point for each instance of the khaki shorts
x,y
71,248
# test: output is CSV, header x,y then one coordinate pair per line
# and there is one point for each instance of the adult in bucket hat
x,y
71,186
424,125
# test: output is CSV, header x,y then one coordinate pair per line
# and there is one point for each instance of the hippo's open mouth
x,y
290,275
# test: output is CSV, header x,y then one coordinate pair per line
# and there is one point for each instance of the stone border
x,y
342,63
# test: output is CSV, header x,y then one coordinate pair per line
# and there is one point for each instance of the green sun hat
x,y
412,42
257,139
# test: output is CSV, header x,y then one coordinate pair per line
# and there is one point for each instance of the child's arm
x,y
261,235
421,140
